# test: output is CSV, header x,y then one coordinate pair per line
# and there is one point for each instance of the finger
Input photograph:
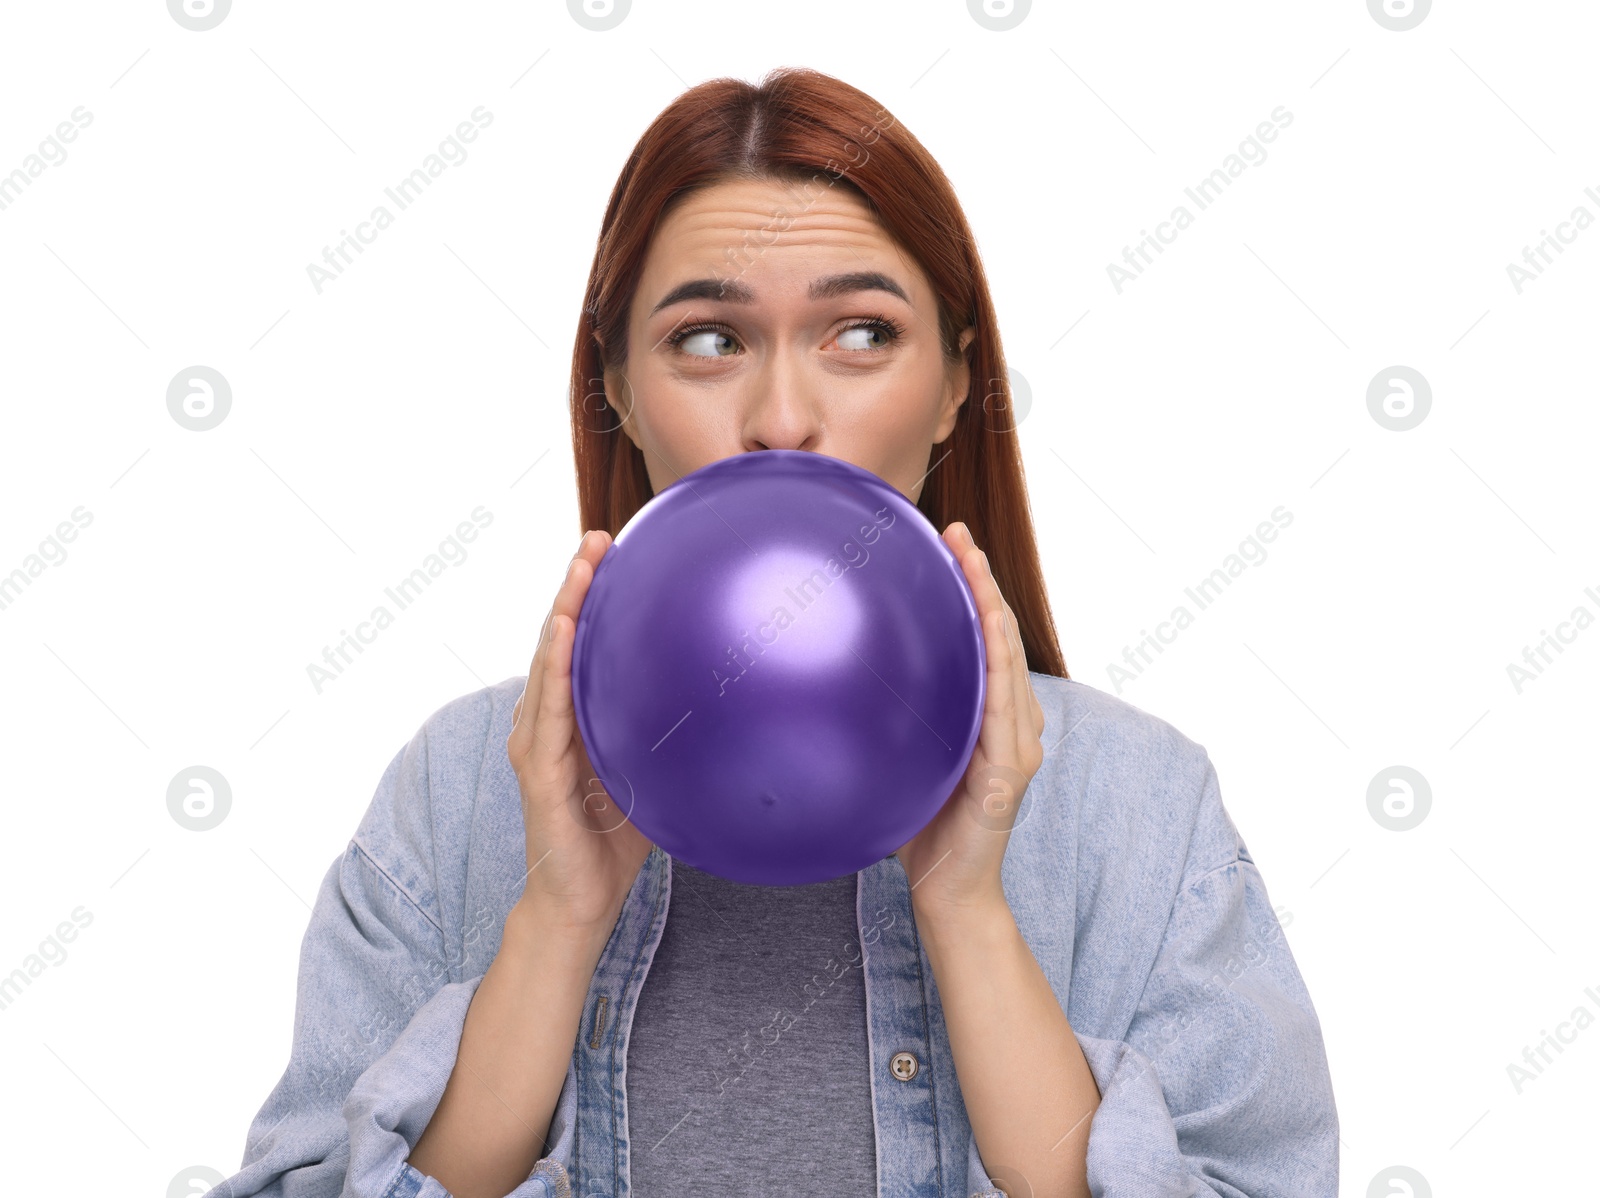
x,y
555,699
527,709
1019,677
1026,700
569,603
985,591
975,568
1030,750
568,600
1000,697
558,649
525,715
999,731
959,538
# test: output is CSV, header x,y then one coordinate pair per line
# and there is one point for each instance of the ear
x,y
957,389
619,398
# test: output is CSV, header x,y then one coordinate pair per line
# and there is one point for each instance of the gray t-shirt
x,y
747,1058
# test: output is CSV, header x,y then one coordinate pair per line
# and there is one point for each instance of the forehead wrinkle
x,y
869,275
716,241
733,291
835,221
762,204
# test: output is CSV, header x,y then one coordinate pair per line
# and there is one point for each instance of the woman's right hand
x,y
583,855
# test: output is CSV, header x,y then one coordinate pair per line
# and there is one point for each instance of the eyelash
x,y
893,328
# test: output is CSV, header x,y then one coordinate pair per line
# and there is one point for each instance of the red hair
x,y
803,125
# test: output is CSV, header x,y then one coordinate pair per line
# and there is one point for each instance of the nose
x,y
782,409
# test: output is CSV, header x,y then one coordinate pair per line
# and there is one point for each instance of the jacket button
x,y
903,1065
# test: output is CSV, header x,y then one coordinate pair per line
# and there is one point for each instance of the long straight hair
x,y
808,127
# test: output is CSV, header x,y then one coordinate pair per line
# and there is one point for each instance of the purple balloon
x,y
779,670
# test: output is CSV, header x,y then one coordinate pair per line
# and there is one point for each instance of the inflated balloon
x,y
778,670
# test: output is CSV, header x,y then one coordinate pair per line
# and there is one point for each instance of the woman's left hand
x,y
954,862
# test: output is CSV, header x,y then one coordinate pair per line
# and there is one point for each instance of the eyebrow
x,y
734,292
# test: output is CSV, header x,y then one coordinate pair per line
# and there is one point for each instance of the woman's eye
x,y
719,343
861,337
708,343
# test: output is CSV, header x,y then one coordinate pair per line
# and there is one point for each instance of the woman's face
x,y
811,330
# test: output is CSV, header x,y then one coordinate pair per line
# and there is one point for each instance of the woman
x,y
1088,991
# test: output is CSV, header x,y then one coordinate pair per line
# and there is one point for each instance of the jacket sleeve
x,y
1220,1085
378,1018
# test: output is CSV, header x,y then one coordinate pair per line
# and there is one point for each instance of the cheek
x,y
683,423
908,407
890,436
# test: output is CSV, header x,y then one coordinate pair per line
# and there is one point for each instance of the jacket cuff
x,y
391,1104
548,1180
1133,1145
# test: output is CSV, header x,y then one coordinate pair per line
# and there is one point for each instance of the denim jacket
x,y
1125,875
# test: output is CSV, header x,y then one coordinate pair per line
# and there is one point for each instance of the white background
x,y
1167,421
